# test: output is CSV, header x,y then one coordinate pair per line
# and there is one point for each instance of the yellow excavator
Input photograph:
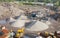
x,y
20,33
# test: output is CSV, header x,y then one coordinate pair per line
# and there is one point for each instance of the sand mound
x,y
37,26
18,23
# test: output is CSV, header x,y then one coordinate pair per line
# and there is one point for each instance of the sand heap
x,y
37,26
20,22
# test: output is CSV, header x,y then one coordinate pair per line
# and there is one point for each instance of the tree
x,y
2,0
6,0
59,3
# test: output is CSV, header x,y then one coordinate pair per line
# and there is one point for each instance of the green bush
x,y
20,3
28,3
57,3
6,0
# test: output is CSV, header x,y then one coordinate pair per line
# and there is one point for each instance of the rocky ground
x,y
9,9
14,9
